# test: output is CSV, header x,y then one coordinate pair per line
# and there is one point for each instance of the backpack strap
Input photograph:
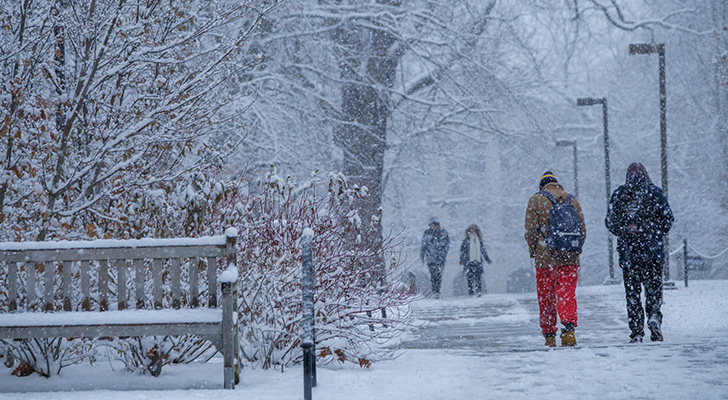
x,y
553,199
548,196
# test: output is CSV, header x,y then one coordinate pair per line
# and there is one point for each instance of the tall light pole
x,y
647,48
572,143
590,101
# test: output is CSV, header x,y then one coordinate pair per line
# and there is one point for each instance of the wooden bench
x,y
52,289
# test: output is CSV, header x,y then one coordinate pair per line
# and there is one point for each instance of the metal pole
x,y
663,145
576,173
307,339
608,182
663,117
685,260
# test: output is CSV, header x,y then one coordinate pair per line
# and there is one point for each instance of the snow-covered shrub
x,y
358,304
149,354
45,356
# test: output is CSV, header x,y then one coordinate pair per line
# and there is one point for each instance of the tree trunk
x,y
368,70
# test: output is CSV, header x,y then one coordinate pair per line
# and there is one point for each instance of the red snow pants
x,y
556,290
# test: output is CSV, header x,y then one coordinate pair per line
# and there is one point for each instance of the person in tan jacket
x,y
556,270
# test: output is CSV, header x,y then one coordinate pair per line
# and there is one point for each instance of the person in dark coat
x,y
434,249
640,217
472,255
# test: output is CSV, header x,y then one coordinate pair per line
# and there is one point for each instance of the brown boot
x,y
550,339
567,338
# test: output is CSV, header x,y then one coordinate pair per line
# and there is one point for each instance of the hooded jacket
x,y
537,222
640,216
435,245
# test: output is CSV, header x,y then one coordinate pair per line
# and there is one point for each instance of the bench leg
x,y
229,334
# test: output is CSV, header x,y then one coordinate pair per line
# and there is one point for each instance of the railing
x,y
684,248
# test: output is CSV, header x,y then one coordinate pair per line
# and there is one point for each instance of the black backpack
x,y
564,230
635,214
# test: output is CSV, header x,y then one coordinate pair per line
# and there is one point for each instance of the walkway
x,y
509,322
480,348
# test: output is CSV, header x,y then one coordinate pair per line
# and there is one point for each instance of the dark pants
x,y
637,274
474,283
436,276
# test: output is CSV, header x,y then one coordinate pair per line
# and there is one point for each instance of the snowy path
x,y
495,323
471,348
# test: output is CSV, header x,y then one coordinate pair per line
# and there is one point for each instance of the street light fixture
x,y
572,143
647,48
590,101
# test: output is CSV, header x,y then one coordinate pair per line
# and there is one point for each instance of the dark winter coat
x,y
473,266
537,222
435,245
640,216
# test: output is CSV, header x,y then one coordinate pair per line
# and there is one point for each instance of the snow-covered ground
x,y
692,363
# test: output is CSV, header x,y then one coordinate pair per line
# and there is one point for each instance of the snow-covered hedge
x,y
358,303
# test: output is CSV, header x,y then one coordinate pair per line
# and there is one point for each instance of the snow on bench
x,y
75,278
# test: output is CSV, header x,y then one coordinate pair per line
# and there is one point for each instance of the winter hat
x,y
433,220
637,169
547,177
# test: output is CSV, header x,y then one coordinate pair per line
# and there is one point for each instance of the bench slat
x,y
121,296
157,278
175,285
30,279
48,272
110,253
194,269
12,286
139,282
211,283
101,330
85,286
103,285
114,317
67,274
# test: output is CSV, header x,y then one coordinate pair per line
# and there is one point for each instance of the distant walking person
x,y
472,255
640,216
555,234
435,245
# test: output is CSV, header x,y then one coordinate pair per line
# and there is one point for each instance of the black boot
x,y
655,331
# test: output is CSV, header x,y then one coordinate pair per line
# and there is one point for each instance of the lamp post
x,y
572,143
590,101
647,48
